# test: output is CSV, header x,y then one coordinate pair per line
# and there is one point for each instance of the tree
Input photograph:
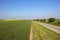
x,y
41,20
51,19
36,19
44,20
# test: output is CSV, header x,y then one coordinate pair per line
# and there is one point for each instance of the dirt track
x,y
51,27
31,33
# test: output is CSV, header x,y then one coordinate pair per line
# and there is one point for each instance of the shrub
x,y
44,20
51,19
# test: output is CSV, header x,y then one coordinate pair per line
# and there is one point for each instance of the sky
x,y
29,9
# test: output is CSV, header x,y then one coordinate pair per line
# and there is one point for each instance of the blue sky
x,y
29,9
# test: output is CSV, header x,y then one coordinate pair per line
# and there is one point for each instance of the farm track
x,y
31,33
51,27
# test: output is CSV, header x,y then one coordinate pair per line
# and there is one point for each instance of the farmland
x,y
42,33
15,30
20,30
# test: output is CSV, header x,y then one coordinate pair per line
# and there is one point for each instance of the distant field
x,y
15,30
42,33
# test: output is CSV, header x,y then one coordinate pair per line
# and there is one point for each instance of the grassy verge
x,y
57,23
42,33
15,30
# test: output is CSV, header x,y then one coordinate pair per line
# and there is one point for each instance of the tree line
x,y
46,20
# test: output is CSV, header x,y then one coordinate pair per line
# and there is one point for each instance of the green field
x,y
20,30
15,30
42,33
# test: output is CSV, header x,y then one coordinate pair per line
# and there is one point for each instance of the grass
x,y
15,30
42,33
56,22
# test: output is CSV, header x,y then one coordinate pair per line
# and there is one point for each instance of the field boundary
x,y
31,33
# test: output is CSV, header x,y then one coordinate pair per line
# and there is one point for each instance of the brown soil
x,y
31,34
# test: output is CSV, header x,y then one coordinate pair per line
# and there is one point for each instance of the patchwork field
x,y
15,30
20,30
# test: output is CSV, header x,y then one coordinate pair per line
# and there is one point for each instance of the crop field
x,y
42,33
15,30
20,30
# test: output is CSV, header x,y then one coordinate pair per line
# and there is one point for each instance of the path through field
x,y
31,33
51,27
